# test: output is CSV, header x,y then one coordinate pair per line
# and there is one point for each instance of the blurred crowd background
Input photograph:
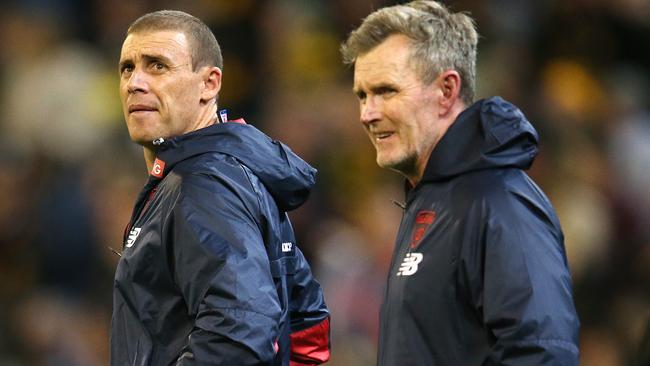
x,y
579,69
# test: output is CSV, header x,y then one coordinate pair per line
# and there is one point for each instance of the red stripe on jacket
x,y
311,346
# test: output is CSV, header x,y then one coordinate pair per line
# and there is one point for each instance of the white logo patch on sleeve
x,y
286,247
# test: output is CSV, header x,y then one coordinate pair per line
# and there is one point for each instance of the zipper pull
x,y
115,251
399,204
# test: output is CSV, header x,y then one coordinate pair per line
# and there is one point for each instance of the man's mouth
x,y
133,108
380,136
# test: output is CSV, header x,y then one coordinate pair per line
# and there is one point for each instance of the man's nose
x,y
137,81
369,110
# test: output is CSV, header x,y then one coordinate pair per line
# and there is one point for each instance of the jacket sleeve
x,y
526,286
221,267
310,320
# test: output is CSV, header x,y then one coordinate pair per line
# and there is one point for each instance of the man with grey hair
x,y
210,273
479,274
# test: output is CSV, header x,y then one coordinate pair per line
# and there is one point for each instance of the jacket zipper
x,y
141,207
396,252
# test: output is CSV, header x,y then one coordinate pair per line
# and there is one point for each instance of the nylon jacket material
x,y
210,273
479,274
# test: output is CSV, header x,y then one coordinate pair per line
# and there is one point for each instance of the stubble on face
x,y
158,87
397,109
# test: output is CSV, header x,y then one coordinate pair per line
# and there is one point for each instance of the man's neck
x,y
207,117
420,166
149,157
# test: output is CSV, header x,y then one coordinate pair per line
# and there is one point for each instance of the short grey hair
x,y
441,40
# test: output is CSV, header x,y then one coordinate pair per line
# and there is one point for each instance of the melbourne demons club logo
x,y
158,168
422,222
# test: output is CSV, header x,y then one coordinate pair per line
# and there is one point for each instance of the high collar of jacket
x,y
491,133
288,178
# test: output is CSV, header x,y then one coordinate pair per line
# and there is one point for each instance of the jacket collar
x,y
491,133
288,178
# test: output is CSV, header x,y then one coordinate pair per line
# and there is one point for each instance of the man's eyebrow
x,y
147,58
383,86
156,57
124,62
375,88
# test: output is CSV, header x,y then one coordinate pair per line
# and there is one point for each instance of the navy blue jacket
x,y
210,273
479,274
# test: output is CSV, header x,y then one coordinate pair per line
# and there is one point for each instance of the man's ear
x,y
450,84
211,82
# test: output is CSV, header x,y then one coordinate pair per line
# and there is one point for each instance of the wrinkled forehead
x,y
168,43
366,70
389,59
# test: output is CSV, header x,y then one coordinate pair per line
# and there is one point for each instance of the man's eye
x,y
386,91
126,69
158,66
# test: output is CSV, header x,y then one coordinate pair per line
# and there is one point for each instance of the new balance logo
x,y
133,234
410,264
286,247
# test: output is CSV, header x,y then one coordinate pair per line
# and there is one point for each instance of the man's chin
x,y
145,141
395,163
386,162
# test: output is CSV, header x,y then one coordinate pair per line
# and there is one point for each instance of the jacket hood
x,y
491,133
288,178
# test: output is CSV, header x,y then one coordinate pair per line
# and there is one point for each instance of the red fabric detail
x,y
423,220
425,217
158,168
238,120
146,204
311,346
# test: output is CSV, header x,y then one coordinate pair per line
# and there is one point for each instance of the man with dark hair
x,y
209,273
204,48
479,274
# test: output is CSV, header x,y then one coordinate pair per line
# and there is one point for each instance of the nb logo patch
x,y
133,234
410,264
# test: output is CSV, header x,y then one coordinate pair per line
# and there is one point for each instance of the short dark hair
x,y
204,46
